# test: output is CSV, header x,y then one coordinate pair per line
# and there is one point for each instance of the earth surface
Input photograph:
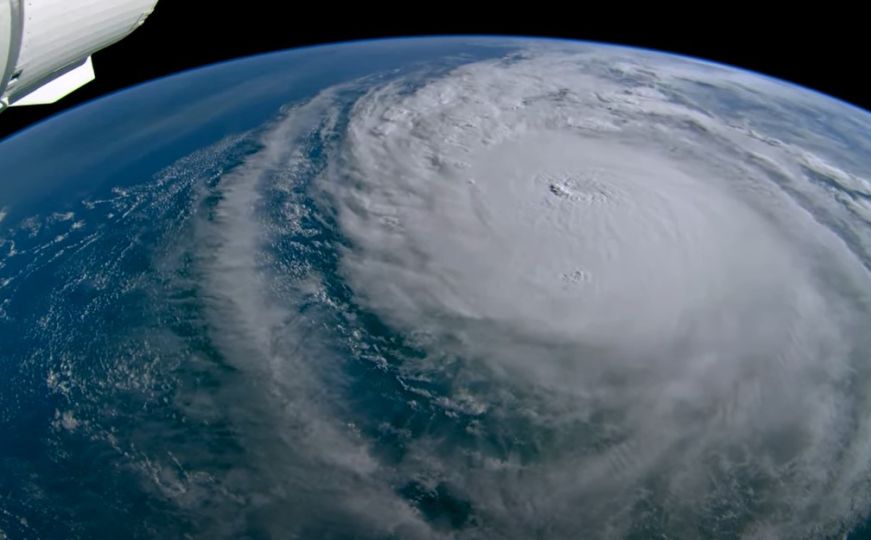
x,y
439,288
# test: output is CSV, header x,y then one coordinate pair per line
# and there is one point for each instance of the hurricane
x,y
558,290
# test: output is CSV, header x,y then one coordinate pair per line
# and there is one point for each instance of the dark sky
x,y
824,53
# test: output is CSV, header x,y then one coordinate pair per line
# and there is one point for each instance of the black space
x,y
828,54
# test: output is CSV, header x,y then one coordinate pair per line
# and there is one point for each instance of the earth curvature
x,y
427,288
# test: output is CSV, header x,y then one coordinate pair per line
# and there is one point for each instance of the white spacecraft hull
x,y
46,45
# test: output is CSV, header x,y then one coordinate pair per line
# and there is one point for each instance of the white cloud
x,y
304,463
702,338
